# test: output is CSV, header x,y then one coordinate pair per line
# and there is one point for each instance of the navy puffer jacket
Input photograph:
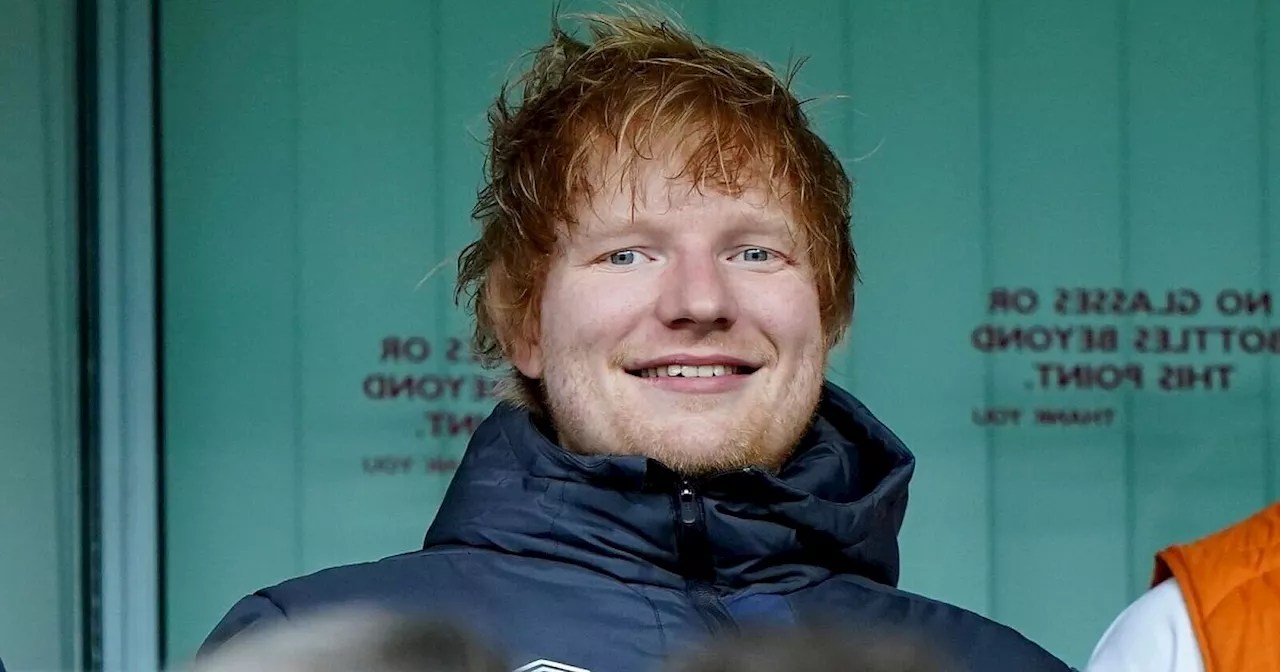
x,y
612,564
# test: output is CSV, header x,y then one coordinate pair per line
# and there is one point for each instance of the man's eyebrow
x,y
765,224
609,226
614,222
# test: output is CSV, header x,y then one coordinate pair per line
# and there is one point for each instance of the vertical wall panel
x,y
1195,188
229,105
478,49
39,535
62,158
919,233
782,36
1268,68
366,227
1053,163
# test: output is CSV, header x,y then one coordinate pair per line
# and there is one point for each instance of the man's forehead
x,y
680,203
627,188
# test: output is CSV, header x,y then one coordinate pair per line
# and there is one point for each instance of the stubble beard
x,y
761,433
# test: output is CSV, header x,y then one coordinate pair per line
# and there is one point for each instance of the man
x,y
664,264
1214,606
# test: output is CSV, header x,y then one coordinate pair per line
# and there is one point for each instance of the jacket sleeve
x,y
250,613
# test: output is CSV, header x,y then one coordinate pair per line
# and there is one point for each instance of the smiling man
x,y
680,323
664,264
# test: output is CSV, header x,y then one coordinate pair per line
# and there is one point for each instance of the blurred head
x,y
814,650
665,259
354,639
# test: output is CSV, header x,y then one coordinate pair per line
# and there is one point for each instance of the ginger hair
x,y
641,85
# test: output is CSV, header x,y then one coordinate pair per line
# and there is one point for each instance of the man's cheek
x,y
791,328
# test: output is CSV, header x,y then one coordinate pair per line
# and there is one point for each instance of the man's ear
x,y
525,350
526,356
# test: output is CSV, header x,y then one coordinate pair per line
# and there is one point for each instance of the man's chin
x,y
706,458
691,406
697,444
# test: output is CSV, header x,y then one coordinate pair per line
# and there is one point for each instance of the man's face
x,y
686,329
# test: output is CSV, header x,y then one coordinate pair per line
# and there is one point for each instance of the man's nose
x,y
696,294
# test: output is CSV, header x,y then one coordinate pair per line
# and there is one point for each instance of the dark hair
x,y
815,650
355,639
418,646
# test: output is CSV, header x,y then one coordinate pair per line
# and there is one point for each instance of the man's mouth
x,y
692,371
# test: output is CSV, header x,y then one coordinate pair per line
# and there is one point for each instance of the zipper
x,y
696,562
688,505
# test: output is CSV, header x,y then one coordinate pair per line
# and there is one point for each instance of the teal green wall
x,y
39,587
320,162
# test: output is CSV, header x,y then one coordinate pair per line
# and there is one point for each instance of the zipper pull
x,y
688,508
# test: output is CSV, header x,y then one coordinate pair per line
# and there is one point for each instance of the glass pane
x,y
321,160
39,364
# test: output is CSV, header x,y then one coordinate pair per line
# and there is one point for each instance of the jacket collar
x,y
835,507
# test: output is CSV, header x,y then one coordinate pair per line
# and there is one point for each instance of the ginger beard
x,y
700,274
693,435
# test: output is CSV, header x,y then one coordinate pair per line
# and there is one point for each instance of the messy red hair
x,y
641,85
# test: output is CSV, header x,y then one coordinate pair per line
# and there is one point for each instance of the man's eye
x,y
756,254
623,258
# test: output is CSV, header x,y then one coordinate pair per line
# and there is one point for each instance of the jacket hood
x,y
835,507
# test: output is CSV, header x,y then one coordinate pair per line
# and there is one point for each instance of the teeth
x,y
704,371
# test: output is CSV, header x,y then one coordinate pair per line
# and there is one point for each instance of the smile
x,y
691,371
